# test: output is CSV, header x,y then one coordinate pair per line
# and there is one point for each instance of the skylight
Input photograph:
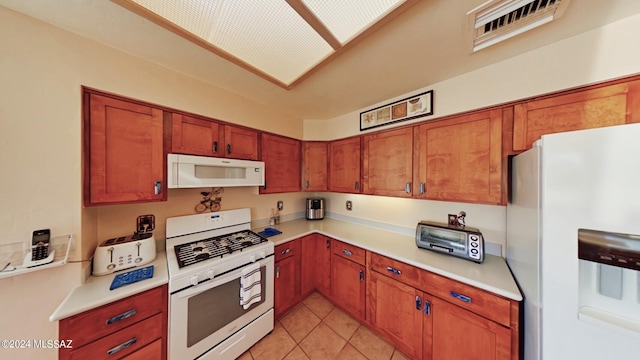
x,y
280,40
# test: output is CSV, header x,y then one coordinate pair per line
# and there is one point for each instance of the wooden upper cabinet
x,y
240,143
344,165
195,136
605,106
314,166
281,156
124,161
460,159
387,163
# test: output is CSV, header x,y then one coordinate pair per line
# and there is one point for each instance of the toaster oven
x,y
461,241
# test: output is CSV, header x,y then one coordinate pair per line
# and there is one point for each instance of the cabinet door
x,y
387,163
461,334
348,286
281,158
193,136
344,165
395,309
285,285
460,159
314,166
316,264
605,106
123,152
240,143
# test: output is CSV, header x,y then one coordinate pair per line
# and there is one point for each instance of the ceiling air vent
x,y
498,20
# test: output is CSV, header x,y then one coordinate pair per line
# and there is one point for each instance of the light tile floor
x,y
316,329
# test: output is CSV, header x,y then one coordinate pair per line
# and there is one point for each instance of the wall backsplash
x,y
119,220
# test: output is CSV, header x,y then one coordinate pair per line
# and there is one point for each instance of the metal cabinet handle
x,y
357,186
347,252
228,148
361,275
122,346
395,271
422,188
124,315
427,308
460,297
284,252
307,184
328,244
157,187
278,272
407,188
215,146
418,301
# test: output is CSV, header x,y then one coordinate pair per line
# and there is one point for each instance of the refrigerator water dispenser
x,y
609,281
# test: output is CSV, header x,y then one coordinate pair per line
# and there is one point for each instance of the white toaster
x,y
123,253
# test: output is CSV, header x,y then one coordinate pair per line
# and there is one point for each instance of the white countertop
x,y
95,291
492,275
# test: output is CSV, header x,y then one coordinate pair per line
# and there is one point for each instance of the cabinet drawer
x,y
348,251
286,250
468,297
96,323
124,342
394,269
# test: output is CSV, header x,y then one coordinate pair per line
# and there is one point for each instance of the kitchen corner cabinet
x,y
195,136
592,108
287,276
131,328
316,264
123,151
387,163
314,165
344,165
240,143
281,156
460,158
348,278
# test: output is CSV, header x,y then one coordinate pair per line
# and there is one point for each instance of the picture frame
x,y
415,106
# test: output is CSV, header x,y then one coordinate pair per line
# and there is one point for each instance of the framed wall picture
x,y
410,108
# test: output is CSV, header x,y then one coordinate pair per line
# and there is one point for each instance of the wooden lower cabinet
x,y
287,276
392,310
316,264
131,328
461,334
348,286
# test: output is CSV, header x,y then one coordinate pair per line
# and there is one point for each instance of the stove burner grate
x,y
219,246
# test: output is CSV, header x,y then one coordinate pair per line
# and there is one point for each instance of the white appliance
x,y
124,252
569,185
206,254
188,171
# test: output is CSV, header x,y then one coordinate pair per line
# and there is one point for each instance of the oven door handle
x,y
217,281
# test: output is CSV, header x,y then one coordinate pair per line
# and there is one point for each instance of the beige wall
x,y
42,69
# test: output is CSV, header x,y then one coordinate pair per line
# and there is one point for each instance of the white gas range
x,y
206,255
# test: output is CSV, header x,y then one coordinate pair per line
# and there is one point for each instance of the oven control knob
x,y
252,258
263,254
194,279
210,274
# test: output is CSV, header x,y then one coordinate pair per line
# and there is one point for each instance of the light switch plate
x,y
349,205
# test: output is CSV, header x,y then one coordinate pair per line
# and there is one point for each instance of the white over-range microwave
x,y
188,171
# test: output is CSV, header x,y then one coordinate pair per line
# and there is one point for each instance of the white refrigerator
x,y
581,184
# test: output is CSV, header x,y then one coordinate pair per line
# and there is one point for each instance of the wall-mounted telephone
x,y
40,249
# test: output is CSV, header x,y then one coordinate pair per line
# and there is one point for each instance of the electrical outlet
x,y
349,205
280,205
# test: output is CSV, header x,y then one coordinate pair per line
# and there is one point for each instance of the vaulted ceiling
x,y
429,42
